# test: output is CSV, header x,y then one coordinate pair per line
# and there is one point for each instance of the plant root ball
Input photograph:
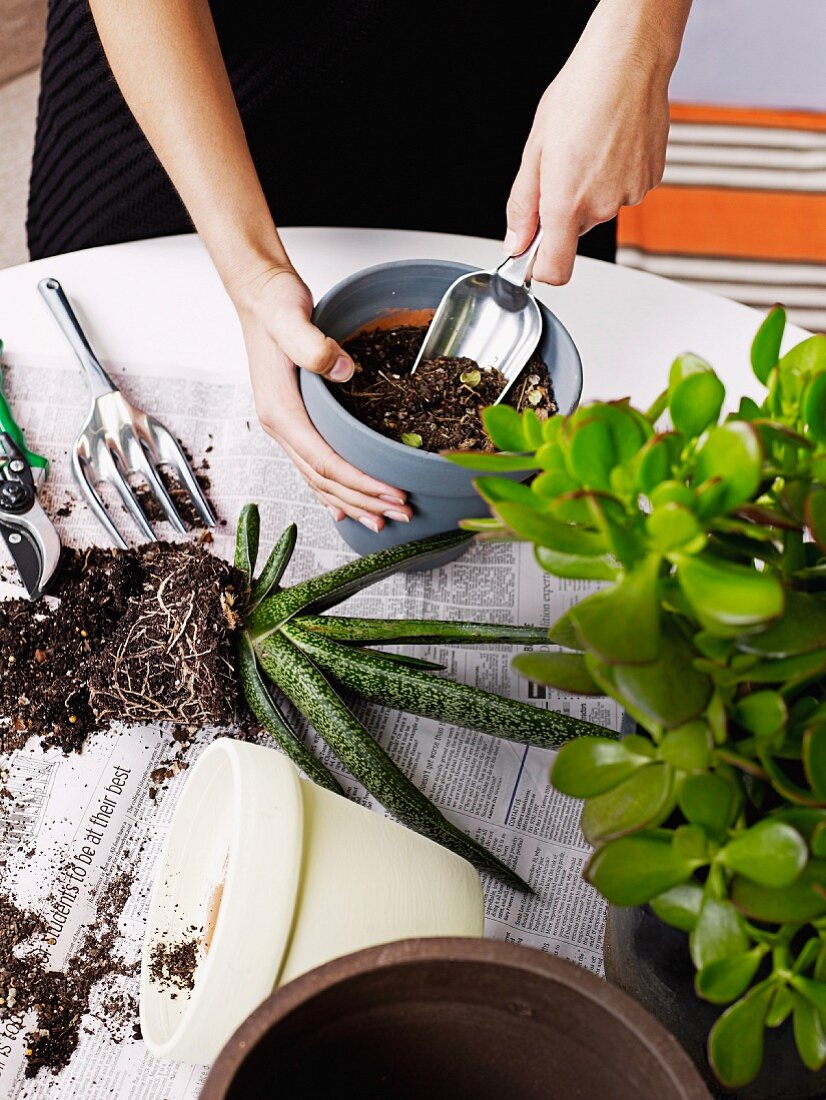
x,y
170,658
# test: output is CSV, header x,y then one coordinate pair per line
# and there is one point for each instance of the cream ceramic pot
x,y
272,876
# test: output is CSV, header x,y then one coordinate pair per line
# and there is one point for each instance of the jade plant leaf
x,y
495,489
707,800
695,402
794,904
564,671
591,765
729,599
728,978
732,455
814,407
763,713
656,461
801,630
735,1044
642,800
669,690
688,747
814,757
814,991
496,463
770,853
718,933
636,868
680,906
538,526
622,623
576,566
806,358
505,427
765,348
684,366
809,1036
781,1007
672,525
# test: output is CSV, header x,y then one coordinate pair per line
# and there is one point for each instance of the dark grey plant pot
x,y
440,493
649,960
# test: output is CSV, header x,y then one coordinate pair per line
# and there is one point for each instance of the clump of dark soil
x,y
139,635
439,407
173,965
60,998
179,493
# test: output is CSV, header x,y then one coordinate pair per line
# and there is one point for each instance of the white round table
x,y
160,302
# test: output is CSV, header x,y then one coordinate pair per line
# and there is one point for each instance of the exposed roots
x,y
170,657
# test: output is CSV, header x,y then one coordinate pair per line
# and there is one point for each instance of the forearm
x,y
167,61
649,31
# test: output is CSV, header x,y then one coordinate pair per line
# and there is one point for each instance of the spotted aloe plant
x,y
314,659
710,630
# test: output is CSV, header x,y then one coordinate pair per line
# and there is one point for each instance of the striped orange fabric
x,y
741,209
709,221
747,116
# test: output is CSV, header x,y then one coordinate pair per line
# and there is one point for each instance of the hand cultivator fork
x,y
119,439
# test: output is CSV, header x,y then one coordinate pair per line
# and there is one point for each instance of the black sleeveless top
x,y
370,113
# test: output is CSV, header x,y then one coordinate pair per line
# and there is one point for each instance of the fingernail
x,y
372,524
399,516
391,500
336,513
509,243
342,370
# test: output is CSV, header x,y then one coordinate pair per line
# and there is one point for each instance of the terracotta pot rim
x,y
643,1027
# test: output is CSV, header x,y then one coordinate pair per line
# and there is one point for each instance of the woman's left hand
x,y
599,136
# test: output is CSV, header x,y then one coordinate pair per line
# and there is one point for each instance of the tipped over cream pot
x,y
273,876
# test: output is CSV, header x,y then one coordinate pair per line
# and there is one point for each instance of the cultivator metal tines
x,y
119,439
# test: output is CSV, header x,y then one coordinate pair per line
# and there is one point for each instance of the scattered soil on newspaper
x,y
180,495
439,407
60,998
139,635
173,965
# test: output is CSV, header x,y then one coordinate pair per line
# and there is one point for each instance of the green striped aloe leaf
x,y
372,676
355,631
277,562
333,587
312,693
246,540
273,720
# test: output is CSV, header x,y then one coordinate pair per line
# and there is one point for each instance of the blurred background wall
x,y
742,207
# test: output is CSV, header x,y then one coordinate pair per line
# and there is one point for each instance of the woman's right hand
x,y
275,310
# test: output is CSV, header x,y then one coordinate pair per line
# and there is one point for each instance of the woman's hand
x,y
275,316
599,137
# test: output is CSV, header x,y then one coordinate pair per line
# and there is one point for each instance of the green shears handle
x,y
10,426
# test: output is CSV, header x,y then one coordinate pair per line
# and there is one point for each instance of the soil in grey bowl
x,y
439,407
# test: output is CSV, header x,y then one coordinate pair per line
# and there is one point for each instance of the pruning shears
x,y
27,531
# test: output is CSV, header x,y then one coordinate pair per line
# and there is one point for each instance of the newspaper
x,y
496,790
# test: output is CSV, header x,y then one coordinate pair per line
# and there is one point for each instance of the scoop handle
x,y
518,269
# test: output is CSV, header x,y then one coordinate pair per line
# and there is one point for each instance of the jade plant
x,y
315,660
709,535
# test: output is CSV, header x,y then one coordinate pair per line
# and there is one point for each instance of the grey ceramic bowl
x,y
440,493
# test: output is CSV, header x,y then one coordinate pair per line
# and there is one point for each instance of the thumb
x,y
304,343
522,209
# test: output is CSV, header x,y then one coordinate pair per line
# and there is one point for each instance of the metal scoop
x,y
490,317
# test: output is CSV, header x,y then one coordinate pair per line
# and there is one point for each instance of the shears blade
x,y
27,531
23,550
